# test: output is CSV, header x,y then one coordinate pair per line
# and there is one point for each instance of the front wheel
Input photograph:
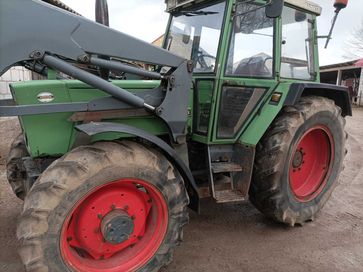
x,y
108,207
298,161
14,166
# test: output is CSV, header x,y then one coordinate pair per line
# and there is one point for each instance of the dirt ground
x,y
236,237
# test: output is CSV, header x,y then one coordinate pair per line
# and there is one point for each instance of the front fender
x,y
95,128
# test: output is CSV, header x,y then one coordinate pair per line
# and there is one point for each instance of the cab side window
x,y
251,46
297,53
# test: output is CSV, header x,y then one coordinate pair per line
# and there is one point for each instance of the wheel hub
x,y
298,158
117,226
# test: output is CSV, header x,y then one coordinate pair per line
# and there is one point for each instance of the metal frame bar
x,y
8,107
96,82
118,66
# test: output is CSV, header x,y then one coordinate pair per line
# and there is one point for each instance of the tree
x,y
355,43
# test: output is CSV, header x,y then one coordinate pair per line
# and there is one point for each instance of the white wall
x,y
15,74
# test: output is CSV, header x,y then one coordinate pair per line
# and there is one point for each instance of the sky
x,y
146,20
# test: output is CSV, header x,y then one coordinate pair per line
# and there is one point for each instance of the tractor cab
x,y
240,51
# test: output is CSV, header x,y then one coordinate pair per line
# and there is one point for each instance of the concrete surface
x,y
237,237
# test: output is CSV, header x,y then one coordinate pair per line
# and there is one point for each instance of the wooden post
x,y
339,77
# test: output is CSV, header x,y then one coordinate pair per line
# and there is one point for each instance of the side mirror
x,y
274,9
300,16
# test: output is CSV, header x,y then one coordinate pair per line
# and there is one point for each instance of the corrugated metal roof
x,y
339,65
61,5
359,63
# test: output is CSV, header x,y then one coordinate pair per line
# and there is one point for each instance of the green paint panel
x,y
46,134
260,122
203,105
53,134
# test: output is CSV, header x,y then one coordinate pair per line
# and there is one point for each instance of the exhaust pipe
x,y
103,18
102,12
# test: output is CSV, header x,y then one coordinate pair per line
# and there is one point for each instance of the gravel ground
x,y
236,237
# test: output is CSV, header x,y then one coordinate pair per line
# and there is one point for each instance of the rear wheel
x,y
106,207
298,161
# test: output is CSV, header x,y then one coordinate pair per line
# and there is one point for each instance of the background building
x,y
348,74
15,74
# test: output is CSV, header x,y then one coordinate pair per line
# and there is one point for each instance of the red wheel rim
x,y
311,163
86,239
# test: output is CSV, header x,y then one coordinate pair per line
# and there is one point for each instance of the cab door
x,y
249,71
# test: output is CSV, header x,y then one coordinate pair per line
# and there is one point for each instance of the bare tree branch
x,y
355,44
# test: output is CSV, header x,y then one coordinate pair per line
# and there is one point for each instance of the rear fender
x,y
338,94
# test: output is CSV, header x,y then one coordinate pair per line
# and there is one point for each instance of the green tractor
x,y
112,153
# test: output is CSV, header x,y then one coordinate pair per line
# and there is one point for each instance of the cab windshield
x,y
194,34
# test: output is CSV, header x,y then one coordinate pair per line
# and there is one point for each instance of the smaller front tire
x,y
298,161
108,207
16,173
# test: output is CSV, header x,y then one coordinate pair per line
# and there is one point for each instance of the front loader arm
x,y
27,26
36,32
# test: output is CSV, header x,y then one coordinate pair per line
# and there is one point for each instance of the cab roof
x,y
303,4
306,5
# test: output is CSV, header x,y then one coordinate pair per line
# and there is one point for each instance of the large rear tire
x,y
106,207
298,161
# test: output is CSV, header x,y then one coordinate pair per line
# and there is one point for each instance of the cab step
x,y
230,166
229,196
222,167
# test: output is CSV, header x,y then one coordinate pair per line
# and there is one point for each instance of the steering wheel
x,y
265,68
201,56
